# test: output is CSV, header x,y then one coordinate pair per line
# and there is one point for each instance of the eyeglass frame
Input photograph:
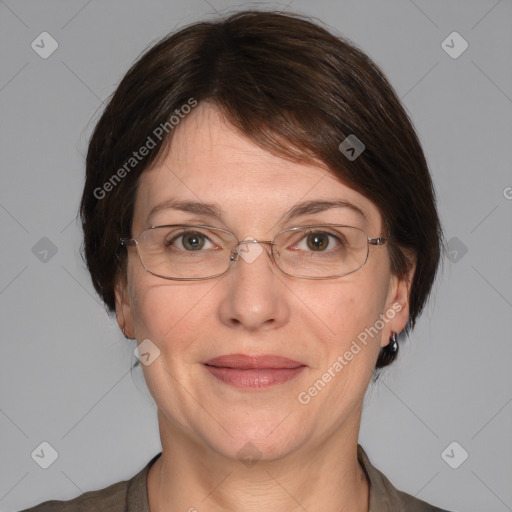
x,y
133,242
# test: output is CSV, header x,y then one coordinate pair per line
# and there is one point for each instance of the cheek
x,y
170,314
346,308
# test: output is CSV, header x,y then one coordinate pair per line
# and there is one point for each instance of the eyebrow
x,y
214,210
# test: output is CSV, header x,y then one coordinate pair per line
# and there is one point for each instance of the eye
x,y
189,241
319,241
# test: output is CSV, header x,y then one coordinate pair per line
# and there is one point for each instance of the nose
x,y
254,296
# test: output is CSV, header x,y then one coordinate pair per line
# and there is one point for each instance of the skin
x,y
308,453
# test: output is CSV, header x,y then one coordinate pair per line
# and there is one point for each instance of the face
x,y
254,309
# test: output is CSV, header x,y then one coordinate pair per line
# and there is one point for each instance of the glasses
x,y
185,252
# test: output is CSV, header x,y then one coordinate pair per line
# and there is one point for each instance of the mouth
x,y
253,372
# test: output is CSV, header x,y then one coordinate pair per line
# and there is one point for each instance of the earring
x,y
393,343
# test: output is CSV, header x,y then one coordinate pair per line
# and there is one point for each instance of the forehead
x,y
210,162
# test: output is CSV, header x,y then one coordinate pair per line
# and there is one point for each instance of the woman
x,y
259,214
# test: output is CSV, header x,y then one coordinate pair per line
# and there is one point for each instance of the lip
x,y
253,372
247,362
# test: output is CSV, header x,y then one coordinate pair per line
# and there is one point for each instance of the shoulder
x,y
112,498
125,496
384,497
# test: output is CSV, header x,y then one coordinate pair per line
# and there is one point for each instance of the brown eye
x,y
318,241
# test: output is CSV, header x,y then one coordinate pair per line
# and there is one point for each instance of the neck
x,y
189,476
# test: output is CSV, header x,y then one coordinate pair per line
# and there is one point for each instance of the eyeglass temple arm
x,y
381,240
127,242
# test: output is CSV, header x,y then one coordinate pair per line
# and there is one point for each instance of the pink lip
x,y
253,372
244,362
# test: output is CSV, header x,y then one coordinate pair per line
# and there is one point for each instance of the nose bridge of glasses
x,y
244,246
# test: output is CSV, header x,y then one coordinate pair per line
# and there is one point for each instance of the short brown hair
x,y
294,89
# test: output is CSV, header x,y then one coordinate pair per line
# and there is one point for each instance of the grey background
x,y
65,368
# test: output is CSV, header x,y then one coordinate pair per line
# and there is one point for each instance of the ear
x,y
123,307
397,305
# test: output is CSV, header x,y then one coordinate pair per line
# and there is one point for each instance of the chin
x,y
258,436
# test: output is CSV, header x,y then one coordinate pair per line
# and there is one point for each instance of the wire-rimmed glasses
x,y
190,252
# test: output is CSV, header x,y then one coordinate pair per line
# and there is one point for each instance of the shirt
x,y
132,496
